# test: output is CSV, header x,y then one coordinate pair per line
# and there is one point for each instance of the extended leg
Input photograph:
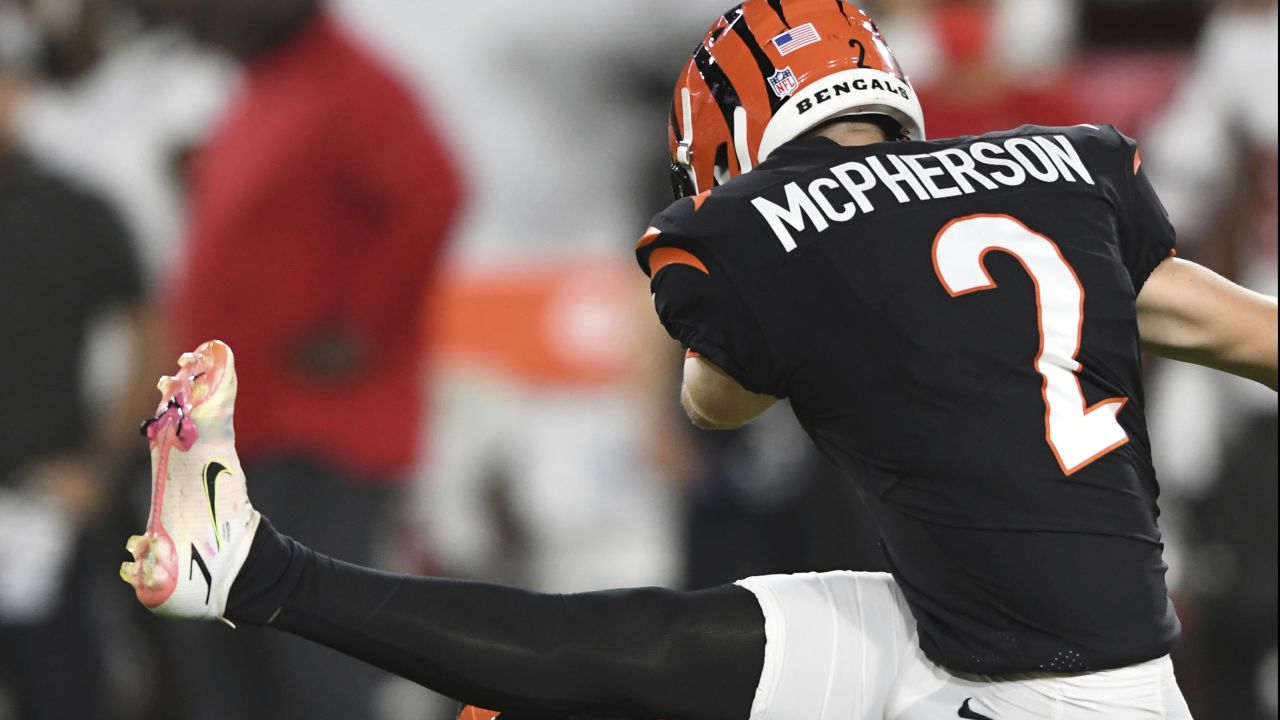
x,y
207,553
639,653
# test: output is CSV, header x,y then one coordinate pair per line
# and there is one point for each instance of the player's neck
x,y
850,132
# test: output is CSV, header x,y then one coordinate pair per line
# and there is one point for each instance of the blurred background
x,y
414,222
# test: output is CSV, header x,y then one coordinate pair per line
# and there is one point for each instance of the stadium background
x,y
553,455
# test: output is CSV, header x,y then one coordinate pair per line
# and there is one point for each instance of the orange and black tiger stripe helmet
x,y
771,70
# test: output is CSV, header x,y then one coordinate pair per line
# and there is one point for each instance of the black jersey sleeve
x,y
1147,237
702,309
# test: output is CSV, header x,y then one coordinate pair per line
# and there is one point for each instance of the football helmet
x,y
769,71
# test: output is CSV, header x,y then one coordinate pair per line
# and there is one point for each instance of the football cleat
x,y
201,524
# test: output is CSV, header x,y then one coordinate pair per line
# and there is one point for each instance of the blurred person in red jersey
x,y
318,212
971,90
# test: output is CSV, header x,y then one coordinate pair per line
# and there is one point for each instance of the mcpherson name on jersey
x,y
844,192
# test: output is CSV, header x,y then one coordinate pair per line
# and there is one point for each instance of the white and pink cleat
x,y
201,523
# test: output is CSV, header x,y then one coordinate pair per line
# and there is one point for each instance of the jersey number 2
x,y
1078,435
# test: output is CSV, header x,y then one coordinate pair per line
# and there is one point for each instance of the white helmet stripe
x,y
740,139
847,92
686,141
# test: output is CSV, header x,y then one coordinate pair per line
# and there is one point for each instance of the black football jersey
x,y
954,324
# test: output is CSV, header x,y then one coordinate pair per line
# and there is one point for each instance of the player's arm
x,y
1190,313
704,310
715,401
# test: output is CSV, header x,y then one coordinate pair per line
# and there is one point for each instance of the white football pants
x,y
843,646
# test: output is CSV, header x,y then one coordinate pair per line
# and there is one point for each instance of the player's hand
x,y
714,400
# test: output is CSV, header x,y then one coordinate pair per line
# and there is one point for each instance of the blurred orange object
x,y
552,324
474,713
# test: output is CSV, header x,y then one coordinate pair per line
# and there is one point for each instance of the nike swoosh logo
x,y
204,570
212,470
965,712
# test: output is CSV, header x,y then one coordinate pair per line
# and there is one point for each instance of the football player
x,y
957,323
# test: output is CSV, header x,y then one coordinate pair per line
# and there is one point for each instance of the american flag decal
x,y
796,38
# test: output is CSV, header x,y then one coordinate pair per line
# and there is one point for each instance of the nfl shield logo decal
x,y
783,82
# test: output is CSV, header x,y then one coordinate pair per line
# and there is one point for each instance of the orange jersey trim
x,y
665,256
649,236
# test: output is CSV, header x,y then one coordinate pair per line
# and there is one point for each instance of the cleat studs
x,y
155,577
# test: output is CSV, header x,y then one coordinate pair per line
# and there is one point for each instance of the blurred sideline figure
x,y
65,261
67,267
555,464
1213,158
124,118
318,213
1026,40
972,88
57,276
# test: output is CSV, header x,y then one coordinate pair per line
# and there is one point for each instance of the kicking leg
x,y
208,554
641,652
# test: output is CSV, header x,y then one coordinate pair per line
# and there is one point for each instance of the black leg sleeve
x,y
640,653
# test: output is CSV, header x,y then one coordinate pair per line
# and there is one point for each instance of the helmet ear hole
x,y
681,182
721,169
